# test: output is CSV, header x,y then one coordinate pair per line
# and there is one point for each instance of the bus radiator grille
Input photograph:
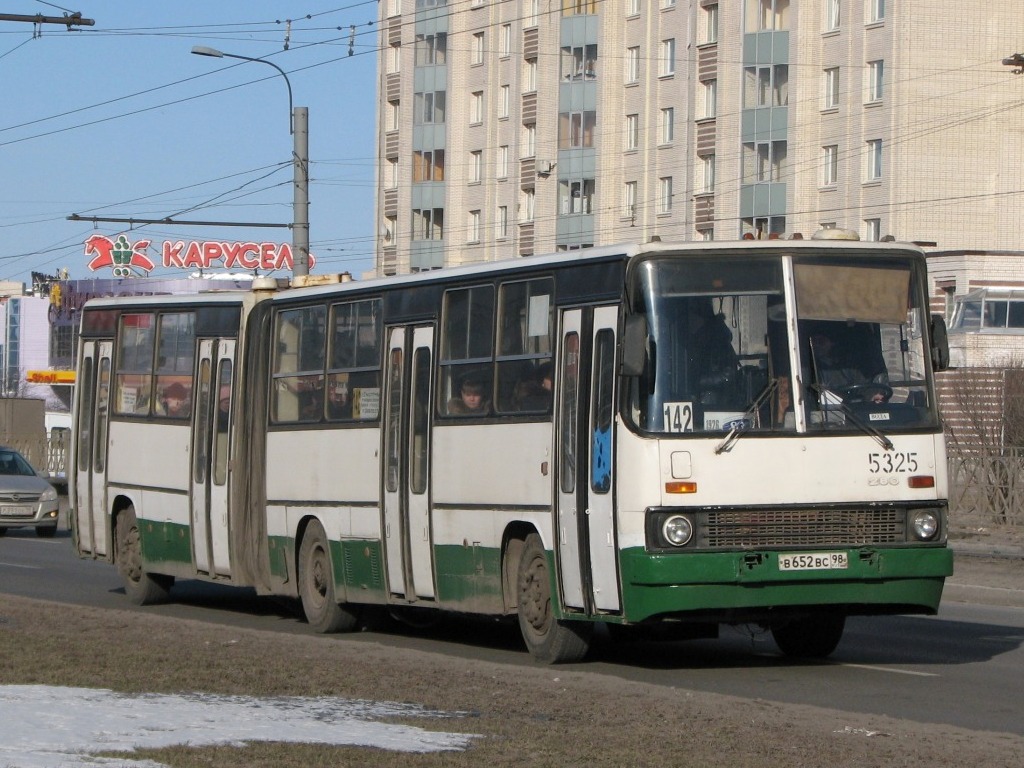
x,y
803,527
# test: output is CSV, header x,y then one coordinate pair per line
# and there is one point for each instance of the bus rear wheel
x,y
316,585
141,587
809,637
548,639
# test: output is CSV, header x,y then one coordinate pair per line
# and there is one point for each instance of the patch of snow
x,y
49,727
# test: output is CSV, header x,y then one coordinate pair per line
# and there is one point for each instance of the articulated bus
x,y
684,437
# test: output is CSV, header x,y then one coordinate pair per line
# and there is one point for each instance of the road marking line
x,y
16,565
890,669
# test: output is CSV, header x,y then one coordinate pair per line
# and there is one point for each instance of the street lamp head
x,y
202,50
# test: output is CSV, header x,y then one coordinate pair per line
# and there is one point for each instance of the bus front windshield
x,y
718,358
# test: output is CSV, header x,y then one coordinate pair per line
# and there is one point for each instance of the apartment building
x,y
514,128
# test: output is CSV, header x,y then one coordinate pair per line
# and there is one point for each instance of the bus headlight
x,y
677,530
924,524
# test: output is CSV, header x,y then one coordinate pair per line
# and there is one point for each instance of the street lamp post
x,y
298,127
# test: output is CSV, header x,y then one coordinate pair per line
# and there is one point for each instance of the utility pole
x,y
68,20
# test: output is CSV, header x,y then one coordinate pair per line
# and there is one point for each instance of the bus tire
x,y
141,587
809,637
549,640
316,585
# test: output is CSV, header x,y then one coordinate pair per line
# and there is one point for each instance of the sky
x,y
45,726
119,120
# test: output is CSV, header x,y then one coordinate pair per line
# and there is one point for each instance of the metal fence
x,y
988,483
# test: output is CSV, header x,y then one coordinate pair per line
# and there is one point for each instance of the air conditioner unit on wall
x,y
545,167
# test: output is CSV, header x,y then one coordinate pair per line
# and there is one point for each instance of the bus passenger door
x,y
90,503
588,565
210,471
407,462
600,511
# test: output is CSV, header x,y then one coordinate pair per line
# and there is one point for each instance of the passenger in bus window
x,y
533,393
175,401
711,357
471,400
842,376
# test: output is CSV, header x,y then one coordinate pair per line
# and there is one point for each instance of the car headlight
x,y
924,524
50,494
677,530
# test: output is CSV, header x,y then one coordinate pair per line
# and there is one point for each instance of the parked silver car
x,y
26,499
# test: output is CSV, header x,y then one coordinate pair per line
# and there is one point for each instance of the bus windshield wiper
x,y
744,423
862,425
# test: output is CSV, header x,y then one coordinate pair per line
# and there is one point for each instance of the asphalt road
x,y
962,667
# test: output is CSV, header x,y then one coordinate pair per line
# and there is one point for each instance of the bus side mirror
x,y
940,344
634,344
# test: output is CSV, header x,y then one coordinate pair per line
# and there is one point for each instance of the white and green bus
x,y
681,436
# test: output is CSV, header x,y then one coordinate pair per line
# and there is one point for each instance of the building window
x,y
762,15
665,194
529,140
763,227
503,101
874,160
633,64
875,70
429,106
526,205
576,129
393,174
502,165
501,223
394,115
532,7
428,165
667,57
766,86
667,127
474,227
578,62
873,230
505,44
710,25
632,132
629,199
707,178
476,164
764,161
428,223
578,7
876,11
575,196
830,165
477,49
710,98
394,59
476,107
832,12
633,7
431,49
668,3
830,91
530,76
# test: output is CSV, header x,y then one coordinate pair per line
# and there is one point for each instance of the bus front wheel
x,y
548,639
142,587
316,585
809,637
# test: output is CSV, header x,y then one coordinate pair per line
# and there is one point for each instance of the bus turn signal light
x,y
681,486
921,481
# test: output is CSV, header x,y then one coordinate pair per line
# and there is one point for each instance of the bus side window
x,y
466,359
134,354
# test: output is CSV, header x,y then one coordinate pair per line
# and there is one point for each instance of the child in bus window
x,y
471,400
